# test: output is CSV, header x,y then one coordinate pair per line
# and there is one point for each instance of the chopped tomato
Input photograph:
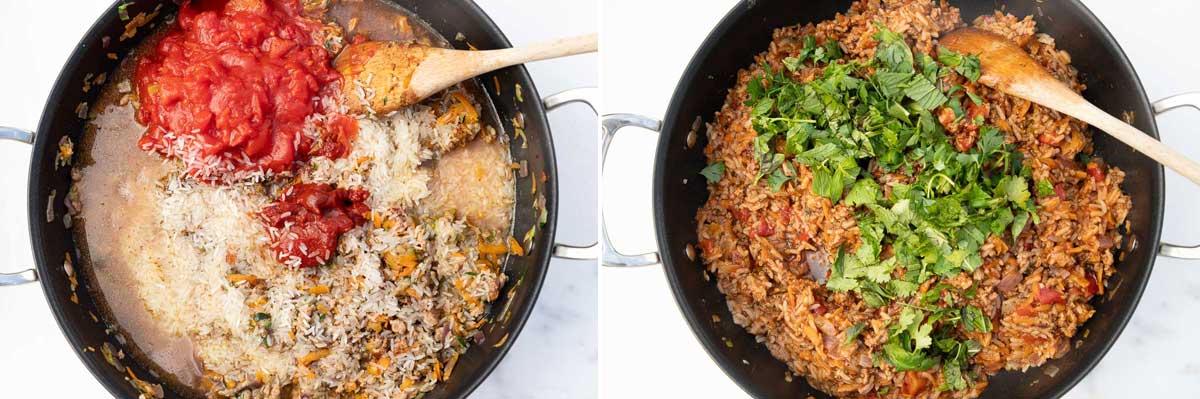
x,y
229,88
1060,192
1096,171
1092,286
741,214
1049,296
913,384
1024,310
1050,139
765,230
305,222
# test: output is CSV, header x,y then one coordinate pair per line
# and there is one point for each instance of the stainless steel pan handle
x,y
590,97
1160,107
611,124
28,275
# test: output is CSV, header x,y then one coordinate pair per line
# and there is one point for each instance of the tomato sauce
x,y
229,90
305,222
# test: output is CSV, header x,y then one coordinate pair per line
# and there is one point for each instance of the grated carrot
x,y
462,289
377,367
465,103
313,356
318,289
514,246
405,263
493,249
501,341
450,367
247,278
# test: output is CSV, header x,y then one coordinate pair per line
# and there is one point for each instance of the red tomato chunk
x,y
305,222
229,88
1049,296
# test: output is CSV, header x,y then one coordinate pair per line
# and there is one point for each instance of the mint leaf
x,y
952,375
892,51
763,107
1018,224
827,184
713,172
818,154
891,84
906,360
864,192
853,332
965,65
924,93
974,320
776,179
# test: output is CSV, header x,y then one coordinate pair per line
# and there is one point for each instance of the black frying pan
x,y
52,241
744,32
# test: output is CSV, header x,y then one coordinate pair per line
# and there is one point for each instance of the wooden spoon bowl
x,y
380,77
1008,68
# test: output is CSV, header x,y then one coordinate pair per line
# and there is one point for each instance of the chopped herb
x,y
926,95
965,65
853,332
974,319
713,172
1045,188
864,192
123,12
776,179
880,113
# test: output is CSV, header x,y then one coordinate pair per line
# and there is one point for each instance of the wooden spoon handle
x,y
442,68
553,49
1071,103
1142,142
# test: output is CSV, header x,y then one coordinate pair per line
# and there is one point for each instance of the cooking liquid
x,y
118,181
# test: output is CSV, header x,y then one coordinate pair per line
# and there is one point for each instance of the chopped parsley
x,y
1045,188
879,114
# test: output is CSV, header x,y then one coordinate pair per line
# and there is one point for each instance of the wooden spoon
x,y
386,76
1008,68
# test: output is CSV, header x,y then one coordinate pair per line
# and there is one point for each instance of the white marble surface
x,y
555,356
647,349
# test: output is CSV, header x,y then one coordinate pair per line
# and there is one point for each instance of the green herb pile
x,y
882,111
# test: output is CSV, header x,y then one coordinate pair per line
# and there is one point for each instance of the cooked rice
x,y
766,279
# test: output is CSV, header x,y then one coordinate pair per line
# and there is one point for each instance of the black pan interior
x,y
52,241
745,32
